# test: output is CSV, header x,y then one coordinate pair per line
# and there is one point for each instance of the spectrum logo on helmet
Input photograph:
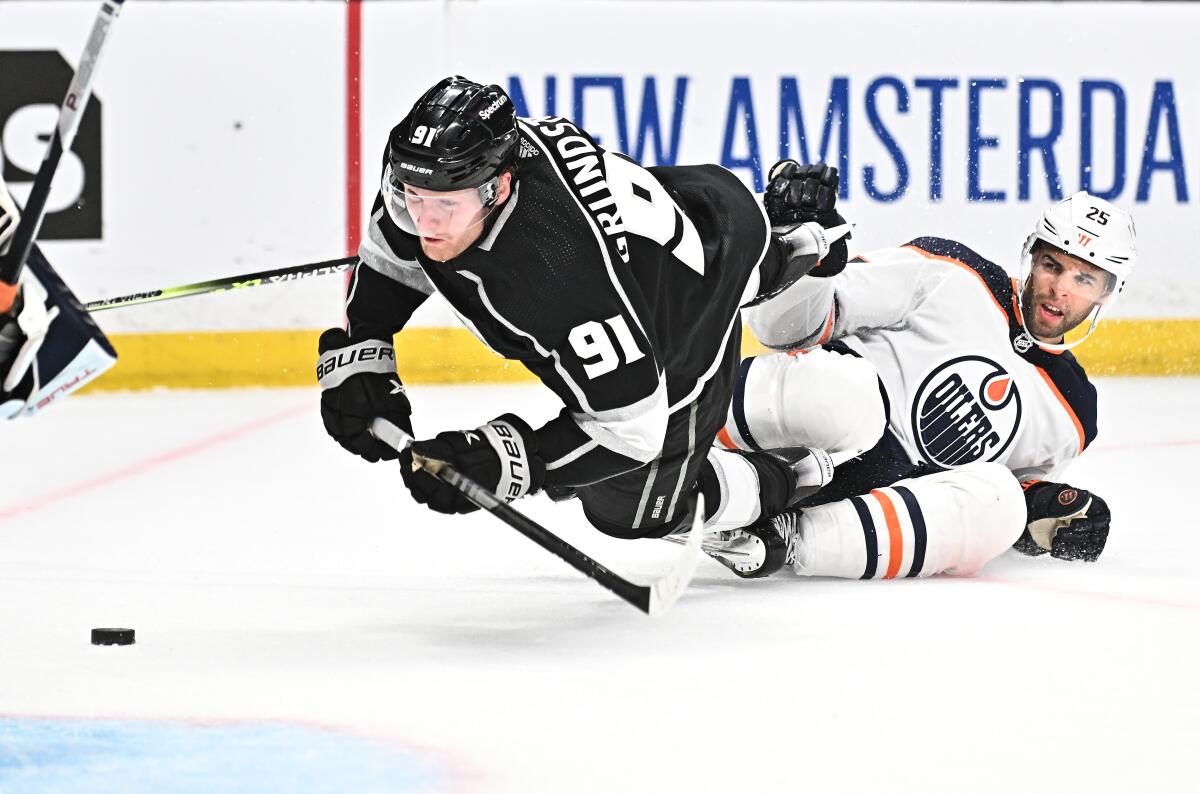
x,y
487,112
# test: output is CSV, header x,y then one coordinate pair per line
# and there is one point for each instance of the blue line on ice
x,y
132,757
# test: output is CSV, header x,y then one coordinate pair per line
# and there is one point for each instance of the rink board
x,y
269,156
452,355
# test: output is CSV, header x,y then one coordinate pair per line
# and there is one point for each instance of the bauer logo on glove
x,y
371,355
359,383
500,456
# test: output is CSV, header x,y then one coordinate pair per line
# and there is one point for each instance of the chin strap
x,y
1025,340
1051,347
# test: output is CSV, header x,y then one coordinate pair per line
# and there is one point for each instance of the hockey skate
x,y
751,552
768,544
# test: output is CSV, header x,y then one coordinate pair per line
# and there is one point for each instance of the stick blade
x,y
667,590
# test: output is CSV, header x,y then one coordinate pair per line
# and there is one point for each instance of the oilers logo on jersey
x,y
965,410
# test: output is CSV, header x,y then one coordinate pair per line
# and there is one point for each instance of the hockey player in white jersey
x,y
942,388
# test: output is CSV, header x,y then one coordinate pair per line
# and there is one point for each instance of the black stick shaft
x,y
69,118
637,595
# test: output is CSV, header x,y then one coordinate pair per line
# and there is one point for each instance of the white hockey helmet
x,y
1093,230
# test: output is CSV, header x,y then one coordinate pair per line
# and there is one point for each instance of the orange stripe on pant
x,y
895,537
726,441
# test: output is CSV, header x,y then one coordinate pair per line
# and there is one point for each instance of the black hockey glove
x,y
359,383
1069,523
801,193
798,194
500,456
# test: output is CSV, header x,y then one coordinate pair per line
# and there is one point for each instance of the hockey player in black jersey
x,y
619,287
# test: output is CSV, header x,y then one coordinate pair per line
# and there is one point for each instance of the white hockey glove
x,y
21,336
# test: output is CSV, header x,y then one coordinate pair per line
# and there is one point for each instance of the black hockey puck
x,y
112,636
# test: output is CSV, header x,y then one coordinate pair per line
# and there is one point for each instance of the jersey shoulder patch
x,y
994,277
1068,380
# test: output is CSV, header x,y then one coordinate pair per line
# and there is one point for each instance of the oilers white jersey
x,y
961,380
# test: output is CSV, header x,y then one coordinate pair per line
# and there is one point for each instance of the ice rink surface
x,y
303,626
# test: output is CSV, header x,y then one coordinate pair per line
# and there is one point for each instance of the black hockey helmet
x,y
459,135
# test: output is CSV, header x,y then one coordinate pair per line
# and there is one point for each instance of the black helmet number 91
x,y
459,135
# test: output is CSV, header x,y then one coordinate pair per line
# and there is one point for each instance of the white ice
x,y
272,576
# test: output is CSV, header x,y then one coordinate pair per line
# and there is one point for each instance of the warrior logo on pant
x,y
967,409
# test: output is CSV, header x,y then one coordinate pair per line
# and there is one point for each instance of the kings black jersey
x,y
617,285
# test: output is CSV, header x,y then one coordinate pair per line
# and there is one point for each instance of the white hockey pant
x,y
947,522
813,398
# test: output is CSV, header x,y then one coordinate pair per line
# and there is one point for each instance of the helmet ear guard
x,y
489,191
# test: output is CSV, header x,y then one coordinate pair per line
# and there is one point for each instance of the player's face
x,y
449,222
1061,292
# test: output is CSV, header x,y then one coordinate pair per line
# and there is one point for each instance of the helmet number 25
x,y
1098,215
592,340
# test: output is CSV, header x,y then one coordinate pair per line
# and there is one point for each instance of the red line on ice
x,y
1178,442
148,464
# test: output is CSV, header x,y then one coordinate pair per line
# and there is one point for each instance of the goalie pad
x,y
73,353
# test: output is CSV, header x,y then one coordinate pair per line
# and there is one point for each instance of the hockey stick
x,y
292,273
69,118
654,600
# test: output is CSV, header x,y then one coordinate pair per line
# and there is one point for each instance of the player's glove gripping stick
x,y
654,600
